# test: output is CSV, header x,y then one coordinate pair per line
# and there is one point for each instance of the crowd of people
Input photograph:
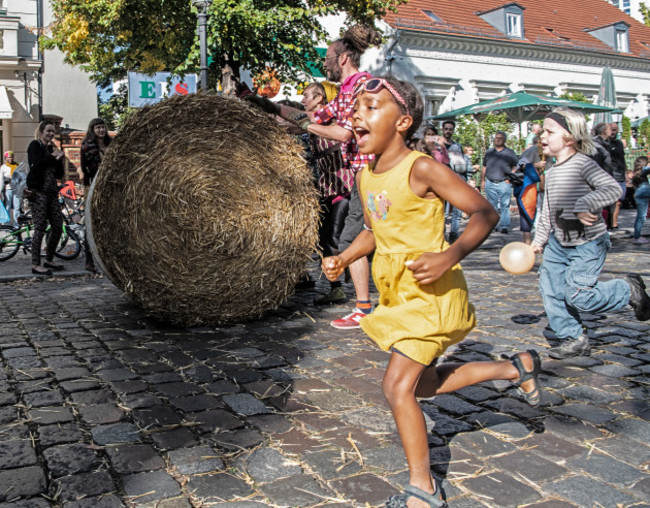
x,y
386,194
395,192
46,168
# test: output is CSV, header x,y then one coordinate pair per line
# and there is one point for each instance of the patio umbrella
x,y
522,107
606,96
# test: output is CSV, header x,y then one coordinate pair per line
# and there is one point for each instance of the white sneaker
x,y
640,241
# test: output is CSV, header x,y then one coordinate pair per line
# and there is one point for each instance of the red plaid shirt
x,y
340,110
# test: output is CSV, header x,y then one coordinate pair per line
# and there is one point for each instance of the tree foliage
x,y
115,110
644,133
575,96
645,10
626,131
108,38
479,134
578,97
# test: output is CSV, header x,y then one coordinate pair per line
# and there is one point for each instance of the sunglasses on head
x,y
375,85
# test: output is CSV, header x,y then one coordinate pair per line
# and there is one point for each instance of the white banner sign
x,y
145,90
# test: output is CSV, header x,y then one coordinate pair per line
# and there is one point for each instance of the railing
x,y
550,41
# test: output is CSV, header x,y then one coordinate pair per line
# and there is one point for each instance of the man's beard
x,y
334,74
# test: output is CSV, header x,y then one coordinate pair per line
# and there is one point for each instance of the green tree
x,y
578,97
626,123
115,110
108,38
645,10
575,96
644,133
479,134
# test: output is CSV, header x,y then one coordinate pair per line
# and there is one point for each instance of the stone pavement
x,y
102,407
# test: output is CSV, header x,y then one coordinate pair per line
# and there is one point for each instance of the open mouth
x,y
361,135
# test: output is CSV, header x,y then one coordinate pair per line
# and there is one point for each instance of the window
x,y
557,34
622,41
513,24
435,18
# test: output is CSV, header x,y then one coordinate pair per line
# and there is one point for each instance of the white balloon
x,y
517,258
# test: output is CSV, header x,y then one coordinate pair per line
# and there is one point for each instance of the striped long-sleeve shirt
x,y
576,185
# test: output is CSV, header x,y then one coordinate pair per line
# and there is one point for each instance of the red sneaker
x,y
349,321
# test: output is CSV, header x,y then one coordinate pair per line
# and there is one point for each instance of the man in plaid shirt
x,y
334,121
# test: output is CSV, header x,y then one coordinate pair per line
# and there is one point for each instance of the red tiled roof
x,y
554,22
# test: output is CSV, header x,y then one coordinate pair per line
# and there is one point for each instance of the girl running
x,y
423,306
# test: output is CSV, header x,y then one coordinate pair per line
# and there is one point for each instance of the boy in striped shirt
x,y
573,237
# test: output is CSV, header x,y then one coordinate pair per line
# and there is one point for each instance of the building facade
x,y
630,7
461,52
33,82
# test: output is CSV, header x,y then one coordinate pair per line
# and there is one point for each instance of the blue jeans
x,y
641,197
456,213
499,194
569,284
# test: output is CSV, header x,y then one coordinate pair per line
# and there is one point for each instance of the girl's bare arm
x,y
430,179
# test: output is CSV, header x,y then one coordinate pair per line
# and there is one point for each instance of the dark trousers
x,y
332,223
46,209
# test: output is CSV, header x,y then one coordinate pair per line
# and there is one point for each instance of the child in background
x,y
423,302
576,239
641,196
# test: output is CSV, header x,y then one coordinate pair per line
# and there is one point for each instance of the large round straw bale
x,y
204,211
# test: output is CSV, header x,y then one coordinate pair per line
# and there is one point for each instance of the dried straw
x,y
204,211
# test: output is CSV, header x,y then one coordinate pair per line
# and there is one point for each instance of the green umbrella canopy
x,y
606,95
521,107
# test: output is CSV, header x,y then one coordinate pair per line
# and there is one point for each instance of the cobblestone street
x,y
101,406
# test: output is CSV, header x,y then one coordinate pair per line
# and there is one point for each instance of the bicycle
x,y
11,239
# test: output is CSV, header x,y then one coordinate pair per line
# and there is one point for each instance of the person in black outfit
x,y
93,147
619,169
45,167
601,134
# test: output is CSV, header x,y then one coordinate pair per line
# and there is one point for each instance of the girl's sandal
x,y
533,397
433,500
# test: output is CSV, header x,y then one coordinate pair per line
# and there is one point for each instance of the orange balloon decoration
x,y
517,258
267,83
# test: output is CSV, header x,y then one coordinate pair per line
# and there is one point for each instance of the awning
x,y
6,113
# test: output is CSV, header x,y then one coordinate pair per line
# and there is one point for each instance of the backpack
x,y
19,179
457,162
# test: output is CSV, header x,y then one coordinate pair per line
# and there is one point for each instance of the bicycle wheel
x,y
10,242
69,245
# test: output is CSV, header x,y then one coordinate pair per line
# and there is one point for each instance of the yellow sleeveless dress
x,y
420,321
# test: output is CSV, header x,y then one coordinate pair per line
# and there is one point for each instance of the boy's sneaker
x,y
570,348
336,295
350,321
639,299
640,241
